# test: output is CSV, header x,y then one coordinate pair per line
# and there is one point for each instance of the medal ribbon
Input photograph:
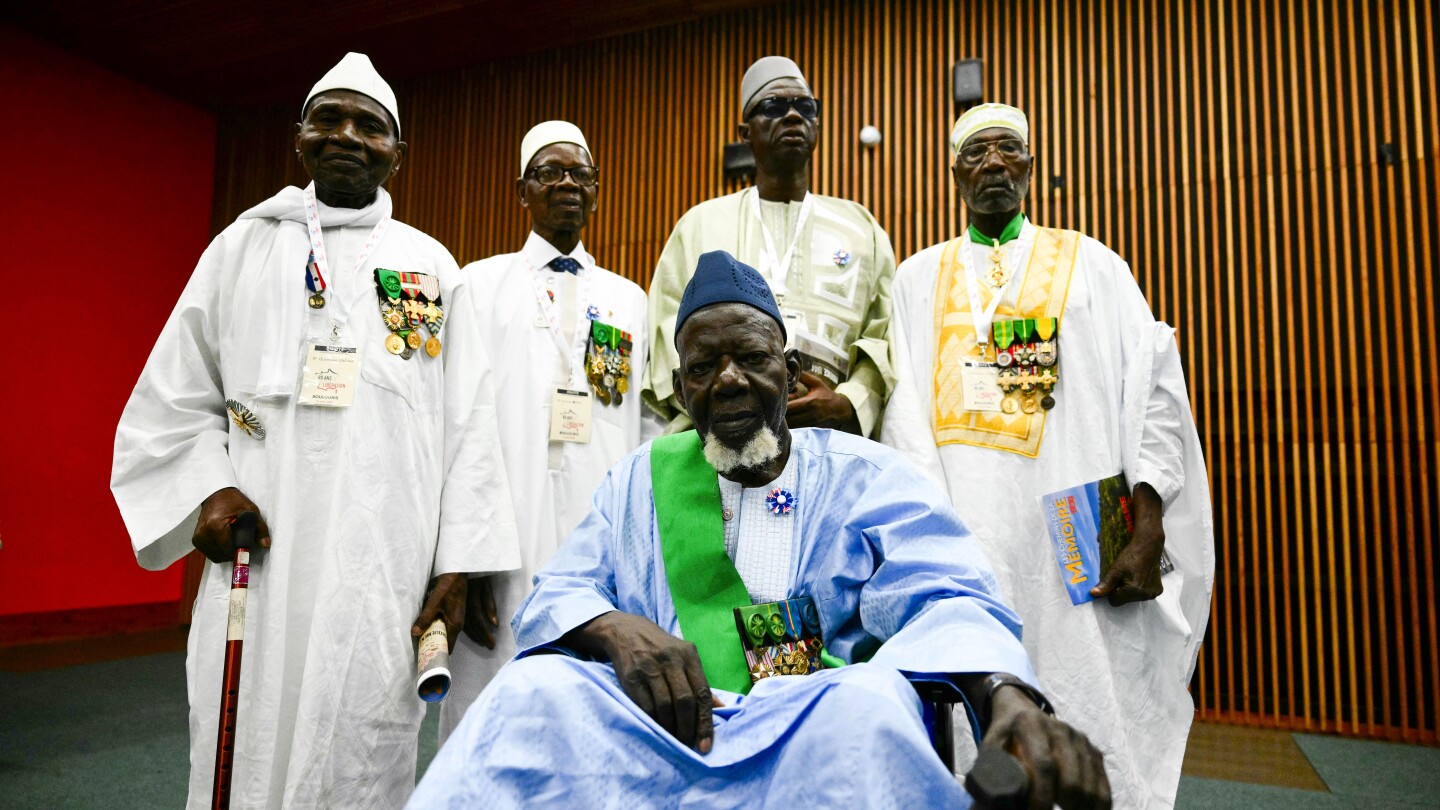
x,y
1045,327
572,354
320,264
778,274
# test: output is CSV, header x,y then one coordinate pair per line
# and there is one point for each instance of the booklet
x,y
1089,526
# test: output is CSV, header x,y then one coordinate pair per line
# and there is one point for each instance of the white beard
x,y
758,451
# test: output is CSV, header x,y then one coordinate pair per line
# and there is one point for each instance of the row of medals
x,y
1024,367
608,371
403,318
1028,368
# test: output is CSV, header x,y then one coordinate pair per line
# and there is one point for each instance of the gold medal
x,y
1009,405
317,301
622,384
1029,405
413,339
432,346
394,344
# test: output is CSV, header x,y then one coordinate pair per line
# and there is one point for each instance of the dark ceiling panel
x,y
226,54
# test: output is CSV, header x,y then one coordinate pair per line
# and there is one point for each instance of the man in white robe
x,y
1116,667
652,699
549,313
362,504
827,260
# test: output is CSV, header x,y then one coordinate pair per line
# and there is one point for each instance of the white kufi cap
x,y
764,71
355,72
985,116
550,132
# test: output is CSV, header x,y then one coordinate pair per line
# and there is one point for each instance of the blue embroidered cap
x,y
722,279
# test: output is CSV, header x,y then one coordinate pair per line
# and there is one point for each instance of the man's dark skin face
x,y
348,146
733,378
558,213
782,146
995,188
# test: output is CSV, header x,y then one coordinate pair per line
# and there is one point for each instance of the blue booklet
x,y
1089,525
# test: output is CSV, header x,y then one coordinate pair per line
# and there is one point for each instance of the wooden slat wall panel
x,y
1230,151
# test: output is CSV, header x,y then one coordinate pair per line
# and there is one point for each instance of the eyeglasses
x,y
1009,149
549,175
779,107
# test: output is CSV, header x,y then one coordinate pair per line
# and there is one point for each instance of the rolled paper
x,y
432,664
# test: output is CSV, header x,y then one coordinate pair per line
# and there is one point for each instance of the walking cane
x,y
242,530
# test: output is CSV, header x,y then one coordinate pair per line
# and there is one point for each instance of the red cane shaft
x,y
244,536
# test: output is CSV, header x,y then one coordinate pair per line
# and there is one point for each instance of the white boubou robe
x,y
1119,674
365,504
551,482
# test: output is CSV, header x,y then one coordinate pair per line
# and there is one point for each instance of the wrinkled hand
x,y
658,671
212,531
1134,576
445,599
1063,766
815,404
481,619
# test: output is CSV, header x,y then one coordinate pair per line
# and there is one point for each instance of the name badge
x,y
330,375
570,416
981,386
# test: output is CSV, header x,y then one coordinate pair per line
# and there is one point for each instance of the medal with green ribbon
x,y
1004,334
607,364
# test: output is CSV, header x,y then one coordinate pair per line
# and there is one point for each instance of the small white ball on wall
x,y
870,135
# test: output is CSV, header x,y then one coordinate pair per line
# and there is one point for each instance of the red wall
x,y
105,195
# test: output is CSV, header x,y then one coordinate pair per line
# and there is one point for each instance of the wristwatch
x,y
995,680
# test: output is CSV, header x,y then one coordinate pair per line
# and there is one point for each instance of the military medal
x,y
997,275
1004,334
409,301
1009,404
315,283
244,419
607,364
1028,405
1047,350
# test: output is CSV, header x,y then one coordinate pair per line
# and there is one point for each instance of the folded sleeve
x,y
172,443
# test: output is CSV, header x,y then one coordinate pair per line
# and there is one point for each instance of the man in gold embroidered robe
x,y
1116,667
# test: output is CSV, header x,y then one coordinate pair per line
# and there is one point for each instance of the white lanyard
x,y
774,272
573,352
982,316
340,307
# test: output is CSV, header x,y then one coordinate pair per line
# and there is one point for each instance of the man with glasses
x,y
1029,363
566,339
828,263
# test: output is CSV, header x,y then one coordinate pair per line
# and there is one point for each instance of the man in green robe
x,y
828,263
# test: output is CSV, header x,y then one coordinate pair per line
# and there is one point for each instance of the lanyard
x,y
776,273
320,269
982,316
572,353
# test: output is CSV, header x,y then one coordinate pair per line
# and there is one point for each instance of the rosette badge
x,y
780,501
245,419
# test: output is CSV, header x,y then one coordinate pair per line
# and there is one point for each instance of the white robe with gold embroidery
x,y
1120,675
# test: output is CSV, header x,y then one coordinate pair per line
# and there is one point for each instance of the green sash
x,y
704,584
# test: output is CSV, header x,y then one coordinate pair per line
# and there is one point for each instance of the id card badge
x,y
980,383
570,416
330,377
794,325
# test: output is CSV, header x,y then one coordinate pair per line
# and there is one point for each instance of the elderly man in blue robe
x,y
718,566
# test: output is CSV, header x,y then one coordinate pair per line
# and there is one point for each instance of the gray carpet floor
x,y
113,735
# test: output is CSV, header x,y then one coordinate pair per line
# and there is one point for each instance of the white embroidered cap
x,y
985,116
355,72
